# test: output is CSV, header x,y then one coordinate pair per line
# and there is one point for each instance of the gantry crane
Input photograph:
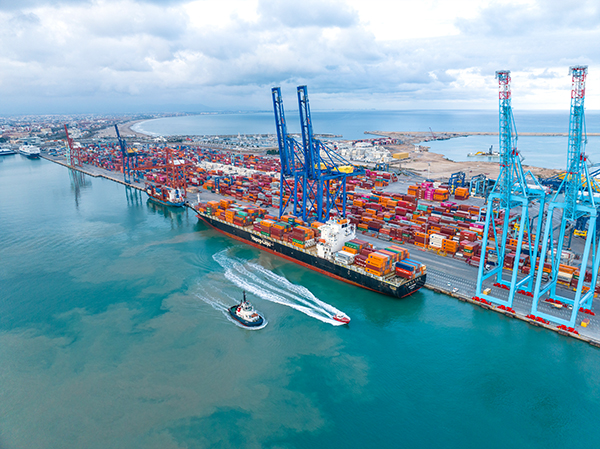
x,y
73,152
129,158
573,201
507,216
318,170
291,157
456,180
326,171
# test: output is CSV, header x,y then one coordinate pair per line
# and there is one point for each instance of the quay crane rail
x,y
514,191
573,201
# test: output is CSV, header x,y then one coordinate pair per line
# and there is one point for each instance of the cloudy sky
x,y
62,56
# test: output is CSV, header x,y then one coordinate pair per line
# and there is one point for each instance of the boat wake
x,y
269,286
217,304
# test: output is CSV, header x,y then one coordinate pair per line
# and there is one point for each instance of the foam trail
x,y
265,294
255,278
299,289
259,281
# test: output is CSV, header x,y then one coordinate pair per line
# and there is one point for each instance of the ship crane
x,y
574,201
512,195
73,152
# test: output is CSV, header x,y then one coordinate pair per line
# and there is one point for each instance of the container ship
x,y
330,248
165,195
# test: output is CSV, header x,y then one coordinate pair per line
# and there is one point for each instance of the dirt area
x,y
124,129
436,166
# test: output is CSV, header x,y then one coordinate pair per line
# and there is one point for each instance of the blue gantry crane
x,y
507,215
319,171
573,201
456,180
291,157
326,172
129,158
480,185
219,180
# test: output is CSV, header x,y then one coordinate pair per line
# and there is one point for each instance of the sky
x,y
104,56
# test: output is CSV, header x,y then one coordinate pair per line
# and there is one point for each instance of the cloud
x,y
23,5
227,55
509,19
309,13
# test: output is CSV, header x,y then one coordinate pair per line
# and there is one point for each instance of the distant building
x,y
30,140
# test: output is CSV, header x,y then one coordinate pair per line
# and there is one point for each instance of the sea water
x,y
111,336
539,151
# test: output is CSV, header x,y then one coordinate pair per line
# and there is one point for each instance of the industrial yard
x,y
518,240
252,180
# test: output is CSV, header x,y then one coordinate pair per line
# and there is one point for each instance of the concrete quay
x,y
447,275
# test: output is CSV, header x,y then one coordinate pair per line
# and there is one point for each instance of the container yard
x,y
420,220
498,244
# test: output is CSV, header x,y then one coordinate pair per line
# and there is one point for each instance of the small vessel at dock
x,y
490,153
245,314
7,151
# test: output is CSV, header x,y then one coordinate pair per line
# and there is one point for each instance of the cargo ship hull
x,y
164,202
313,262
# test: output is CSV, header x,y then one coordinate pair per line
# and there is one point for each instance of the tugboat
x,y
245,314
341,317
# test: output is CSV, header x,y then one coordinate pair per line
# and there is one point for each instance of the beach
x,y
125,129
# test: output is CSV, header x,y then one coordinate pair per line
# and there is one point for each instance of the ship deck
x,y
391,279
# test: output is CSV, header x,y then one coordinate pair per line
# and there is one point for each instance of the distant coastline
x,y
125,129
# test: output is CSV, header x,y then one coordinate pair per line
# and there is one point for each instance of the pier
x,y
447,275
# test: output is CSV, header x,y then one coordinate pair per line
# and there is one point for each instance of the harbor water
x,y
538,151
113,335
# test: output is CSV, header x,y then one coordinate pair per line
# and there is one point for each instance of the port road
x,y
451,275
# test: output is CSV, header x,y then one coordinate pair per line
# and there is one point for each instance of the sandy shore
x,y
436,166
125,130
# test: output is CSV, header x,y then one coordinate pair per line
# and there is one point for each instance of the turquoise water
x,y
112,335
539,151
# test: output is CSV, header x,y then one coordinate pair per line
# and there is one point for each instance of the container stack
x,y
461,193
344,257
441,195
407,268
435,241
279,229
450,246
378,264
302,237
401,252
